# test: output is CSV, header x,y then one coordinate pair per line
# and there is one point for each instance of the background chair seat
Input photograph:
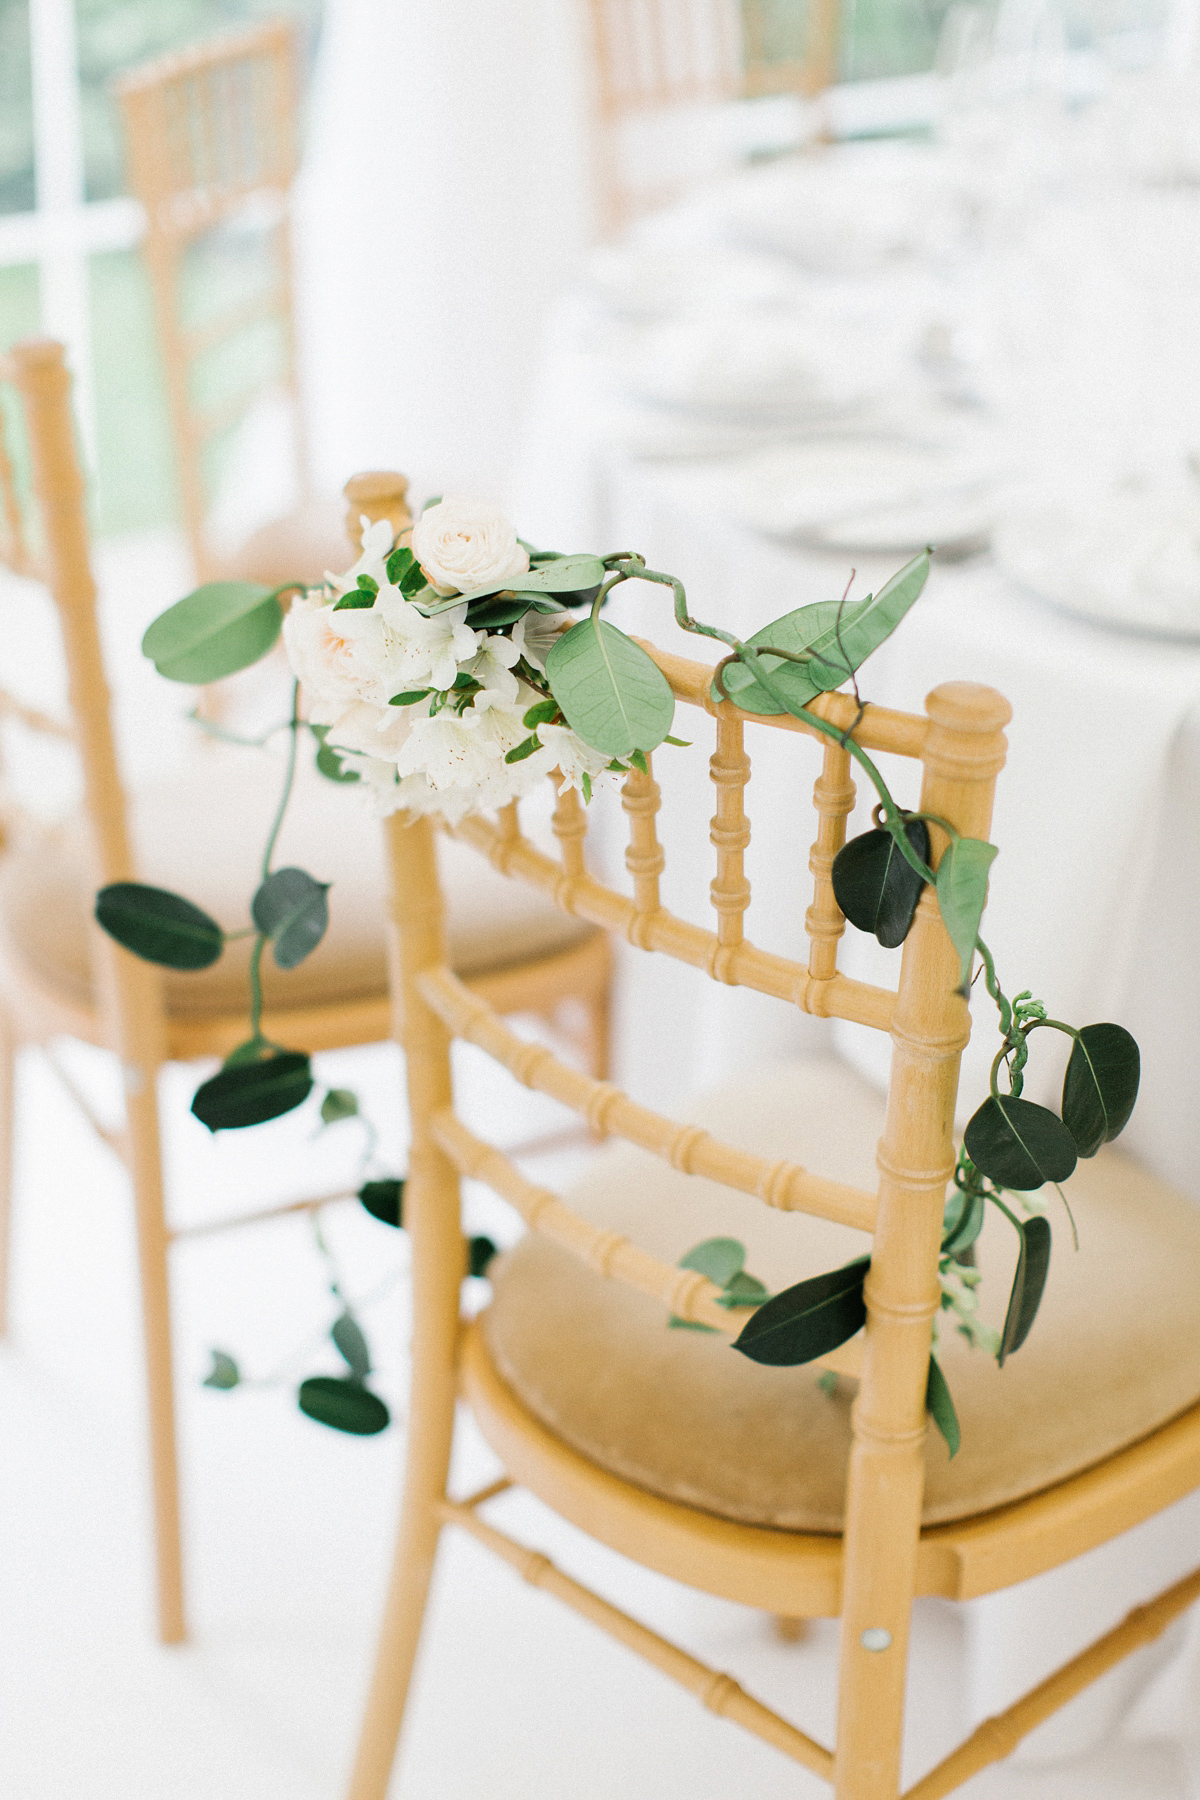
x,y
302,545
202,832
1114,1353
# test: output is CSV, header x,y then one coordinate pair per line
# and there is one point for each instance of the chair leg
x,y
145,1167
599,1037
8,1050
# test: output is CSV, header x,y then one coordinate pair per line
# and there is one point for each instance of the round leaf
x,y
1100,1086
329,761
610,691
252,1092
480,1251
384,1200
809,1319
339,1104
344,1404
224,1372
1033,1265
1018,1144
222,627
875,887
159,926
292,909
346,1333
719,1258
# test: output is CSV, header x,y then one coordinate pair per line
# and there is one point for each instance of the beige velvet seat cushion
x,y
1115,1350
202,834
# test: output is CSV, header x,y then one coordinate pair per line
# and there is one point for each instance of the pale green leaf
x,y
962,881
611,693
222,627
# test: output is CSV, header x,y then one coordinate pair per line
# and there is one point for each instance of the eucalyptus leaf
x,y
962,882
743,1290
1100,1085
292,909
807,1320
339,1104
1018,1144
218,629
159,926
1033,1265
839,637
347,1335
962,1222
940,1406
480,1251
329,761
496,610
611,693
875,887
565,575
719,1258
250,1093
224,1372
384,1200
344,1404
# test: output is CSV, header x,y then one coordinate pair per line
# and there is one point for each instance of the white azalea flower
x,y
493,667
566,751
379,731
377,542
466,544
427,651
536,632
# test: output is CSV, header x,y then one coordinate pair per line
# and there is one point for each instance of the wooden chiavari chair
x,y
652,58
201,833
755,1483
213,151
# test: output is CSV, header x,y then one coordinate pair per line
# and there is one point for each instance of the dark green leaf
x,y
292,909
720,1258
962,881
410,696
1018,1144
339,1104
1100,1086
480,1251
611,693
399,563
224,1372
962,1222
839,637
940,1406
1033,1265
159,926
250,1093
384,1200
347,1335
565,575
490,614
222,627
807,1320
541,714
343,1403
355,599
875,887
526,748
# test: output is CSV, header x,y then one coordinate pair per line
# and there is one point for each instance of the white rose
x,y
466,544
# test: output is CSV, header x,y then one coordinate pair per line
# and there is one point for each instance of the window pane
x,y
136,460
16,109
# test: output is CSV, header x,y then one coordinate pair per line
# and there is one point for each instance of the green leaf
x,y
410,696
250,1093
940,1406
1033,1265
1100,1085
339,1104
962,1222
343,1403
719,1258
356,599
962,881
347,1335
222,627
565,575
541,714
610,691
743,1290
1018,1144
384,1200
399,563
159,926
498,610
292,909
255,1049
839,637
875,887
520,751
807,1320
329,762
224,1372
433,500
480,1251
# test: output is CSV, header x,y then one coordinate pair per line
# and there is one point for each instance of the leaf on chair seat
x,y
875,887
1033,1265
384,1200
1100,1085
940,1406
344,1404
214,631
292,909
1018,1144
159,926
249,1093
611,693
807,1320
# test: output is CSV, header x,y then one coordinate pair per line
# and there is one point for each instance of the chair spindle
x,y
641,797
729,767
833,798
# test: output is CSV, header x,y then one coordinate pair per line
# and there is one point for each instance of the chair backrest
x,y
211,139
652,57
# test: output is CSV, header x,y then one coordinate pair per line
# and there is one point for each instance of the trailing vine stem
x,y
261,939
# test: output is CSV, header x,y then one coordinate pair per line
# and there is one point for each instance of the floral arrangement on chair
x,y
451,673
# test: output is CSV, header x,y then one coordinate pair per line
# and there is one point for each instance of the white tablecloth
x,y
1092,906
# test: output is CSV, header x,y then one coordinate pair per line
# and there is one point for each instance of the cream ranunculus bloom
x,y
467,544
